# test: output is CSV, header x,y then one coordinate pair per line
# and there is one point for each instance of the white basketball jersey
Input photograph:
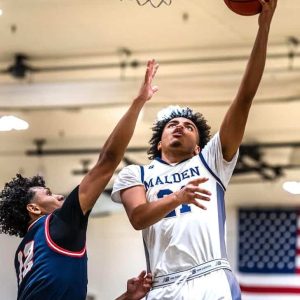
x,y
187,236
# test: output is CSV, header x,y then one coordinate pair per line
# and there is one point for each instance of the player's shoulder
x,y
137,169
129,176
129,173
130,169
35,231
214,141
213,145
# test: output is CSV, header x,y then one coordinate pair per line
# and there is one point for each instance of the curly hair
x,y
177,112
15,196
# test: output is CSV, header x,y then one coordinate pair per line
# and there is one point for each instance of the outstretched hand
x,y
147,90
267,12
192,193
138,287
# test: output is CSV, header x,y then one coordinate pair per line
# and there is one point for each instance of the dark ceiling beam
x,y
245,148
75,151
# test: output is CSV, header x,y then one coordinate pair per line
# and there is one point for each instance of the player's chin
x,y
176,143
60,203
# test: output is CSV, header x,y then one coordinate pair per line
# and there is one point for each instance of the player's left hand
x,y
268,9
138,287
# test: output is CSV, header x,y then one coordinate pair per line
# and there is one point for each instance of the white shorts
x,y
217,285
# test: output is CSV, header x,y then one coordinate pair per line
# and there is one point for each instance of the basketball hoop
x,y
154,3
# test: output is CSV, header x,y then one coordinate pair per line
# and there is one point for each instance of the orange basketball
x,y
244,7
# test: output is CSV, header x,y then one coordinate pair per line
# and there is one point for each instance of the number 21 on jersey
x,y
183,209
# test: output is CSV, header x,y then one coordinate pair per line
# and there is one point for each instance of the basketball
x,y
244,7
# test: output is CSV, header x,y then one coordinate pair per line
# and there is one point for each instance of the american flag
x,y
269,254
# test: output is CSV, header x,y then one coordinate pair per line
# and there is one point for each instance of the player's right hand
x,y
193,193
147,89
138,287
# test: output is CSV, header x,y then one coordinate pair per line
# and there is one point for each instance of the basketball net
x,y
154,3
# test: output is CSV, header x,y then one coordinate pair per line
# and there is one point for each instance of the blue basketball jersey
x,y
45,270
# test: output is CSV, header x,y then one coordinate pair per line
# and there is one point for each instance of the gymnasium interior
x,y
70,69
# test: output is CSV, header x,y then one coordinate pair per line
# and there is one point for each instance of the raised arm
x,y
234,123
113,150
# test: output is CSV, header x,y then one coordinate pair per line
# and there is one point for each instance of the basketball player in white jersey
x,y
178,199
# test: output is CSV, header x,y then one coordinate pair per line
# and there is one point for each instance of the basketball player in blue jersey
x,y
51,260
178,199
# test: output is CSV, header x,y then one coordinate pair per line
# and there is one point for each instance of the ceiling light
x,y
1,12
292,187
8,123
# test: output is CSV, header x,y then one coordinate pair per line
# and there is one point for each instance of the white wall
x,y
8,247
115,252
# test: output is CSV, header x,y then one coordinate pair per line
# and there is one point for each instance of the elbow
x,y
137,226
108,162
137,223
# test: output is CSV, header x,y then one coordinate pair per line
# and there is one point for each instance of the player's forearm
x,y
148,214
126,296
112,152
123,297
254,69
117,142
234,123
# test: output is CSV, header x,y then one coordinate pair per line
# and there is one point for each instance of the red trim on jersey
x,y
55,247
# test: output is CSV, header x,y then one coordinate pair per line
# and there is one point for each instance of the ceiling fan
x,y
19,68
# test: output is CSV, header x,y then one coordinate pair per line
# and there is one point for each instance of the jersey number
x,y
25,260
183,209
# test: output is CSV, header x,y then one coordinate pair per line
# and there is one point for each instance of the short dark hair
x,y
158,128
15,196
